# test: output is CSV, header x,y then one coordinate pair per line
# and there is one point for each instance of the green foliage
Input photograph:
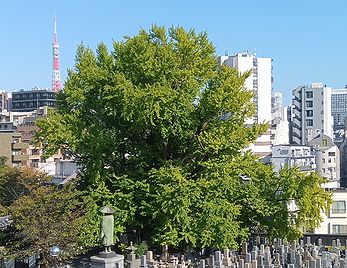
x,y
44,216
3,160
15,183
159,129
141,249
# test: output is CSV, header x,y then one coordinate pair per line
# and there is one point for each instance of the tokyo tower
x,y
56,84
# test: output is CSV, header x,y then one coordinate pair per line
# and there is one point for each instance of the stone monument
x,y
107,258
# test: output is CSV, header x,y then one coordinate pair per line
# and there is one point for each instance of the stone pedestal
x,y
109,261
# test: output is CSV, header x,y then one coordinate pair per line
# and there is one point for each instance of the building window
x,y
284,152
309,122
324,143
339,229
323,170
309,113
329,160
323,160
309,104
338,207
309,94
331,153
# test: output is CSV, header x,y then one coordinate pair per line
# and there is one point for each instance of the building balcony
x,y
20,146
20,158
307,168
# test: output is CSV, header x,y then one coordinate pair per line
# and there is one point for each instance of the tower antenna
x,y
56,84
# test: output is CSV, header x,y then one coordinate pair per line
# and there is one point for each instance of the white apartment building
x,y
59,167
327,160
276,104
293,155
260,83
279,120
280,127
335,221
311,113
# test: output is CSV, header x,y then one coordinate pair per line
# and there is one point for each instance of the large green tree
x,y
159,128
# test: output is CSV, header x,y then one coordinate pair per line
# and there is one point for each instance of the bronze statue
x,y
107,225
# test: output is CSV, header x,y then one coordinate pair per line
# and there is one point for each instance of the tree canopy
x,y
43,215
158,127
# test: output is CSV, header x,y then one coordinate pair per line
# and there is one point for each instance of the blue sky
x,y
306,39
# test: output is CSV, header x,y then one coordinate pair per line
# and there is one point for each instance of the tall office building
x,y
30,100
339,107
311,113
260,83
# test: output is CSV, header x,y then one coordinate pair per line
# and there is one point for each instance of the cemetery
x,y
258,252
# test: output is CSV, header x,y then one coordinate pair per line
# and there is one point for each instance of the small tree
x,y
43,216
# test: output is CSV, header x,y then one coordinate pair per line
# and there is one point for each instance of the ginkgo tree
x,y
158,127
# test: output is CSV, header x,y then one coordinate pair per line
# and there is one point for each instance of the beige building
x,y
15,151
5,101
21,128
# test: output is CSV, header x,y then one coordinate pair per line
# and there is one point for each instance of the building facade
x,y
327,160
260,83
26,101
311,113
279,120
339,108
13,149
335,220
280,128
293,156
5,101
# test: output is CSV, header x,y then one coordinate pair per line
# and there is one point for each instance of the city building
x,y
260,83
10,120
279,127
311,113
13,149
61,168
22,125
335,220
327,156
30,100
343,158
5,101
276,103
339,107
27,128
293,155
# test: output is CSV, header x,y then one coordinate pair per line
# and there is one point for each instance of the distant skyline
x,y
306,39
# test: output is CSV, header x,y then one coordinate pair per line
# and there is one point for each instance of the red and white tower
x,y
56,84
